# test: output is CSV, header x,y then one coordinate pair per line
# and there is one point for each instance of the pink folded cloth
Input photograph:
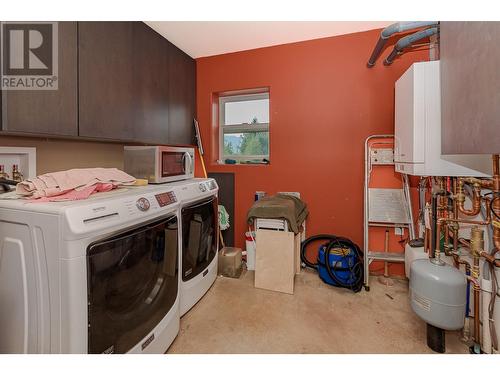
x,y
58,183
75,195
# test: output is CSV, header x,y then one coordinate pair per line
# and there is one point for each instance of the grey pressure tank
x,y
438,294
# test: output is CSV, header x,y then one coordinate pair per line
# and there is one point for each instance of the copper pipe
x,y
496,201
473,281
455,242
464,262
426,241
455,217
476,247
437,250
443,199
476,197
447,250
453,213
496,235
458,261
464,221
442,220
476,313
464,242
477,289
476,241
456,258
455,237
490,258
484,183
442,213
446,239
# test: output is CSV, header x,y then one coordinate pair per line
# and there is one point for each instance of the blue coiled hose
x,y
337,242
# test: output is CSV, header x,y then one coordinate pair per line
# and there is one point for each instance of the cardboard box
x,y
276,264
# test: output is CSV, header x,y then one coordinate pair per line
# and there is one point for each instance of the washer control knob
x,y
202,187
142,204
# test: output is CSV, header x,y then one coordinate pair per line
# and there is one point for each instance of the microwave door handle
x,y
183,160
189,161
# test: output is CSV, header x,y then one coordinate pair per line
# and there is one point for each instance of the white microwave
x,y
159,164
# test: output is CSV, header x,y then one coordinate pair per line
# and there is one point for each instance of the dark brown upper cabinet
x,y
123,82
47,112
118,81
182,96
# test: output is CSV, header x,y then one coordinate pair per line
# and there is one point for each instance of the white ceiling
x,y
207,38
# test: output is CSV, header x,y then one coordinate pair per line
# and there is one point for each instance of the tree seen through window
x,y
248,143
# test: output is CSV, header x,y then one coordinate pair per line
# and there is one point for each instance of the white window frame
x,y
239,128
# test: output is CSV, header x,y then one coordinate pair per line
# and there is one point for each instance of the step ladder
x,y
383,207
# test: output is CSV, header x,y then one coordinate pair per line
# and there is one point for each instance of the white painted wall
x,y
207,38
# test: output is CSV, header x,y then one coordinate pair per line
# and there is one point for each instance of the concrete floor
x,y
235,317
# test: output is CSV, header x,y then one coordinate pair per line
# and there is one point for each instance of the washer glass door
x,y
132,285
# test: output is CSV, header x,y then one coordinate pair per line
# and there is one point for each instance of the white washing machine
x,y
93,276
199,221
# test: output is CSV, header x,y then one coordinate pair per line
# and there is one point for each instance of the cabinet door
x,y
182,98
48,112
123,79
151,85
470,87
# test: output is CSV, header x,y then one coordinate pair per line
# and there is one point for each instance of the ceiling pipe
x,y
408,41
389,31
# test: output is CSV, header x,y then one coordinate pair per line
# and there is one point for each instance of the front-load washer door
x,y
199,237
132,284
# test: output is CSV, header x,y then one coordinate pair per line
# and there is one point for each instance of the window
x,y
244,127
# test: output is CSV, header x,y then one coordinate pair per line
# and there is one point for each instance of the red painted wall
x,y
324,102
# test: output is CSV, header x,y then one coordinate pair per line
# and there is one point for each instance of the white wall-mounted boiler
x,y
417,120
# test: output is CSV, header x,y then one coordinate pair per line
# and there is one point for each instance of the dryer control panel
x,y
164,199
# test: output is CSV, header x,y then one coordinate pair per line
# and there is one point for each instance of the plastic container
x,y
250,250
230,262
259,195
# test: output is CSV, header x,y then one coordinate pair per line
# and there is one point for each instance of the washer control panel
x,y
121,208
203,187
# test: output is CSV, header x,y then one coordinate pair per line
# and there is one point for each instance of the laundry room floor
x,y
235,317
